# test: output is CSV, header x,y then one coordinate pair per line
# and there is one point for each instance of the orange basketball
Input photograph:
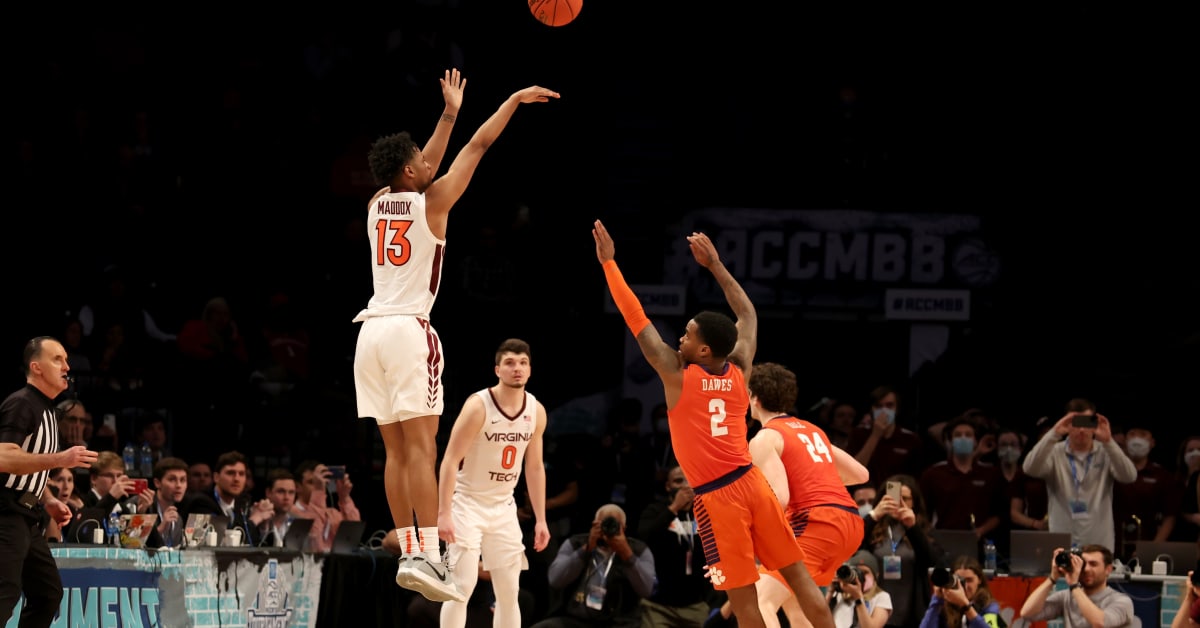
x,y
555,12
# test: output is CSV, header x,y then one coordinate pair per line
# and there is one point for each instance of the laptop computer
x,y
136,529
1032,550
348,537
296,537
1180,556
955,543
198,524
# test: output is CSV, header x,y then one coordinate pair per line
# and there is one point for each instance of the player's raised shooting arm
x,y
453,85
706,255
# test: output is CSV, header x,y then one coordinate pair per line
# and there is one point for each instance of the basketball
x,y
555,12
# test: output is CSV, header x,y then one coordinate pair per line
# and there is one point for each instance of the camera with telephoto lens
x,y
844,574
610,526
847,574
944,578
1062,560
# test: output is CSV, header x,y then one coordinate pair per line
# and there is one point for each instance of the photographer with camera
x,y
961,597
1087,600
855,596
668,526
1189,607
604,576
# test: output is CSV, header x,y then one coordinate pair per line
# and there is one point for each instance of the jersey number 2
x,y
717,408
394,250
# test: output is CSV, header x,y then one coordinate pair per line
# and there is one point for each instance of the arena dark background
x,y
1068,130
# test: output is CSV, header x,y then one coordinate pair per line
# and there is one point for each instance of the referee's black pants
x,y
27,566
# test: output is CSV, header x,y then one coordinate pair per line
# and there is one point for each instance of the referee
x,y
28,450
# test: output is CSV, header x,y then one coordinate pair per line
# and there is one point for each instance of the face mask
x,y
962,446
888,413
1008,454
865,509
1137,447
661,425
868,583
1191,456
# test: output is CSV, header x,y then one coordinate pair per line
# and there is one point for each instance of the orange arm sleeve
x,y
627,302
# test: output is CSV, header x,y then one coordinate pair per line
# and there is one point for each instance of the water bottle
x,y
114,529
147,468
989,555
129,454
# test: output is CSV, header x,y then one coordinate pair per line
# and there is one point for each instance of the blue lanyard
x,y
1074,469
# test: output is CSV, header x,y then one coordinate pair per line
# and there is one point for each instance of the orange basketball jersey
x,y
708,424
813,478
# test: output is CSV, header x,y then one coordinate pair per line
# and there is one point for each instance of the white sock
x,y
429,544
408,541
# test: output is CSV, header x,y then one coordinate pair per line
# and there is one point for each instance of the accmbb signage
x,y
832,259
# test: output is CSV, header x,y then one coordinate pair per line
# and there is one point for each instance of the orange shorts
x,y
738,522
829,536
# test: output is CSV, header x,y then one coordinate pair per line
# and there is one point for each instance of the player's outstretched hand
x,y
452,88
605,250
703,249
536,94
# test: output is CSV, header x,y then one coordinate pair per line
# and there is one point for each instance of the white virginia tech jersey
x,y
406,258
490,470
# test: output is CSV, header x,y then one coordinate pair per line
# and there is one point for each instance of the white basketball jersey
x,y
492,466
406,258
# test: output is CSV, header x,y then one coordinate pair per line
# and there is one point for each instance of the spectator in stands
x,y
152,430
1187,470
230,498
681,593
281,491
172,502
880,444
864,496
898,535
1080,472
109,484
842,415
1144,509
312,502
961,492
200,478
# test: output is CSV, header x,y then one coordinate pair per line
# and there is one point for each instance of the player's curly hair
x,y
389,154
774,385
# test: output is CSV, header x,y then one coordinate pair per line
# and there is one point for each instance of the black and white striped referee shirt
x,y
29,419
